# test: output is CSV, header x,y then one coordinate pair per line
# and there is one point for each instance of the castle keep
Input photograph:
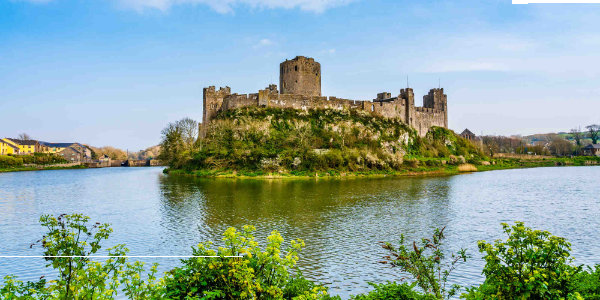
x,y
300,88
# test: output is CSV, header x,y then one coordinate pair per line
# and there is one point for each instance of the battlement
x,y
300,84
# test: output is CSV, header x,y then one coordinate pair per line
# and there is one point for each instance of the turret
x,y
436,99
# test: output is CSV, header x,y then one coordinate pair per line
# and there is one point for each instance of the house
x,y
8,148
71,154
75,152
59,147
591,150
467,134
25,146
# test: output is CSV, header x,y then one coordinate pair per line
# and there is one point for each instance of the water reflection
x,y
341,221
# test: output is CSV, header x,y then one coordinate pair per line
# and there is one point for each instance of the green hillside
x,y
262,140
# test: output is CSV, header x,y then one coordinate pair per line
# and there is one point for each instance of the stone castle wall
x,y
420,118
303,91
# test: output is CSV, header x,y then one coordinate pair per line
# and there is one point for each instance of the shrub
x,y
7,161
257,274
78,276
433,163
587,283
425,262
530,264
392,290
411,163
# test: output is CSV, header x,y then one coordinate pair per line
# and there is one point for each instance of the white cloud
x,y
227,6
263,43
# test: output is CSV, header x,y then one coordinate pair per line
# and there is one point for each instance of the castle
x,y
300,88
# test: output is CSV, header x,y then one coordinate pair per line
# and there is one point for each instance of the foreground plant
x,y
530,264
425,262
240,270
253,274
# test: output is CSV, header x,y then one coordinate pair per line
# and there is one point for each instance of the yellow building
x,y
7,147
24,146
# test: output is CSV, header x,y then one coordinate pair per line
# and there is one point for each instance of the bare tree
x,y
559,146
594,131
24,136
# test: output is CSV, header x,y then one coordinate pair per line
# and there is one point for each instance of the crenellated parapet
x,y
308,96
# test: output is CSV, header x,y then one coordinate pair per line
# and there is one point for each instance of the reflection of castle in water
x,y
300,84
339,220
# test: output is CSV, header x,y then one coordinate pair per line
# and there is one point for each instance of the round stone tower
x,y
301,76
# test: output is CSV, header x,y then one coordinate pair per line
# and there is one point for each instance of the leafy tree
x,y
594,132
179,140
425,262
577,136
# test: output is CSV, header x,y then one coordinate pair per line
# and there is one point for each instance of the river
x,y
340,220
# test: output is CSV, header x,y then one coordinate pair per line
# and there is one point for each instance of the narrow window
x,y
296,68
373,107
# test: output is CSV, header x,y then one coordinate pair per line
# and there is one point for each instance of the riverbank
x,y
415,167
40,168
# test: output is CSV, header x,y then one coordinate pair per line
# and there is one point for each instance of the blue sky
x,y
115,72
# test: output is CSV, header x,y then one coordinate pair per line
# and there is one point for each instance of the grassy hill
x,y
261,140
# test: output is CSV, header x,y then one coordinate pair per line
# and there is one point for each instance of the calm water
x,y
341,221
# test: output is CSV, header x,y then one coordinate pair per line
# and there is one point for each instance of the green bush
x,y
7,161
587,283
258,274
43,159
393,290
530,264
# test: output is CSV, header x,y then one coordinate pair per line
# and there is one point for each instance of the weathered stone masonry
x,y
300,83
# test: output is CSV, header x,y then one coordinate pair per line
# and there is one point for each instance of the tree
x,y
594,131
179,140
577,136
559,146
24,136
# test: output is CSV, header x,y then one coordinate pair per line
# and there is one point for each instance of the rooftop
x,y
23,142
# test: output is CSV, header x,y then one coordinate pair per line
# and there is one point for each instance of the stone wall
x,y
400,107
300,82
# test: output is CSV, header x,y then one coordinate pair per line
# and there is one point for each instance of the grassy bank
x,y
264,142
39,168
421,170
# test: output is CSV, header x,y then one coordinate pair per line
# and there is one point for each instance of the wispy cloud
x,y
228,6
330,51
262,43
